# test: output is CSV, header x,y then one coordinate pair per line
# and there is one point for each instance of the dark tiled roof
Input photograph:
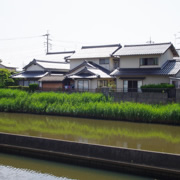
x,y
171,67
7,66
146,49
93,69
89,64
53,78
30,74
50,65
89,52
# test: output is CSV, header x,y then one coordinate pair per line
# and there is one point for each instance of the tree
x,y
5,79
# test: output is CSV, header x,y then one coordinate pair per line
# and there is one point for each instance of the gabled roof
x,y
30,74
7,66
89,52
57,56
90,70
171,67
146,49
50,65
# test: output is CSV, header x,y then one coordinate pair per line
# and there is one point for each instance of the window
x,y
132,86
148,61
103,61
83,84
26,83
116,63
102,83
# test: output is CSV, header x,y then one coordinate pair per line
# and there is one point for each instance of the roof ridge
x,y
100,67
51,61
101,46
62,52
154,44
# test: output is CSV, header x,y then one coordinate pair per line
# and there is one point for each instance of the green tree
x,y
5,79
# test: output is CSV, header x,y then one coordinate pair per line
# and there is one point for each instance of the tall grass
x,y
86,105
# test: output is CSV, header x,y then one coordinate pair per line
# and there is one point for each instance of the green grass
x,y
91,105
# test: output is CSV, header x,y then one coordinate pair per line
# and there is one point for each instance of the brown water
x,y
21,168
151,137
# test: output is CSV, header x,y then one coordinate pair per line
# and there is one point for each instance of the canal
x,y
22,168
153,137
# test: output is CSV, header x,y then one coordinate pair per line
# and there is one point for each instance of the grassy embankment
x,y
86,105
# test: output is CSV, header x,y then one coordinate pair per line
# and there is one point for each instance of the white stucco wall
x,y
133,61
178,75
168,55
34,68
119,83
129,62
75,62
156,80
93,84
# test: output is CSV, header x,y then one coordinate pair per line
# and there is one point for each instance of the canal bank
x,y
146,163
25,168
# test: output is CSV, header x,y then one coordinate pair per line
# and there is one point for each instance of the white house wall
x,y
34,68
93,84
129,62
156,80
168,55
178,75
133,61
75,62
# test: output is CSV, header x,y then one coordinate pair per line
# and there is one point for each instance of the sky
x,y
74,23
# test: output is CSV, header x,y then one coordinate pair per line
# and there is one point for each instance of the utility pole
x,y
47,42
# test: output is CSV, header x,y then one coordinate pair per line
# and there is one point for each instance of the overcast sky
x,y
73,23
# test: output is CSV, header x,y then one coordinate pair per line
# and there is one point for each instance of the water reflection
x,y
151,137
21,168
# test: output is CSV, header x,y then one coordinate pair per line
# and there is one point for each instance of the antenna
x,y
150,41
47,42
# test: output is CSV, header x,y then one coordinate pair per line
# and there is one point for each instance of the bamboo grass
x,y
89,105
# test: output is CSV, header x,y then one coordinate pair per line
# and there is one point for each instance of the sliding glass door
x,y
132,85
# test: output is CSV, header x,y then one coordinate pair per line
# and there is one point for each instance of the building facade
x,y
146,64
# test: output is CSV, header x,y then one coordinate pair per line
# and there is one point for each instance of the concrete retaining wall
x,y
145,97
178,95
141,162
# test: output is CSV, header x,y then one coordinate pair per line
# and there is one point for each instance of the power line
x,y
19,38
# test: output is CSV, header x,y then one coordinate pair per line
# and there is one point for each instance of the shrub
x,y
9,82
33,87
157,87
25,88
